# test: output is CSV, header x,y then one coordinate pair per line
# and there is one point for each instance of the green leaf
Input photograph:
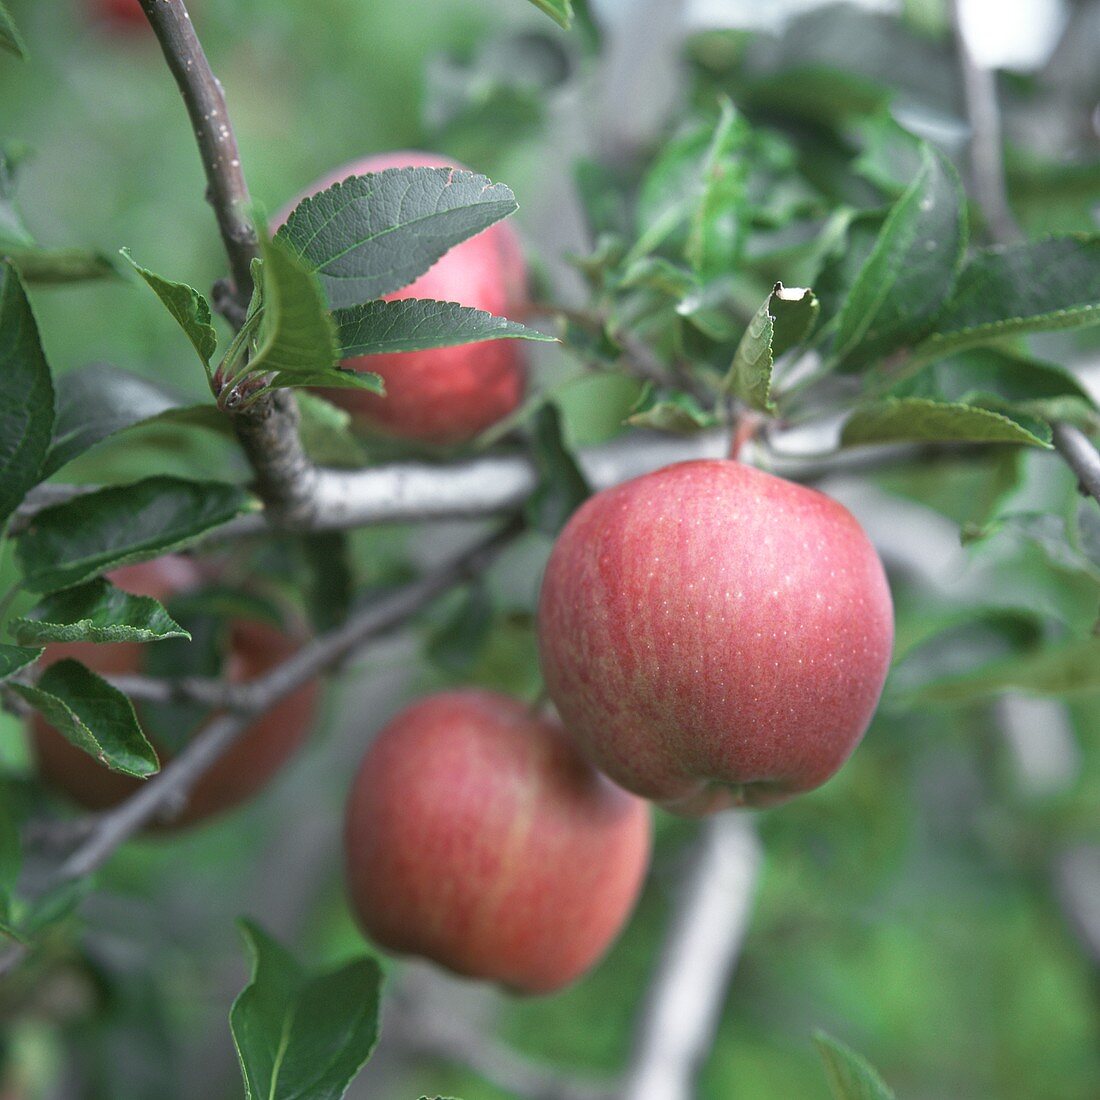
x,y
326,433
561,11
851,1076
717,225
412,324
1056,671
15,657
562,486
783,321
73,542
26,395
457,644
892,156
336,378
371,235
9,35
918,420
96,612
190,309
299,1036
908,276
96,401
1031,287
61,266
55,905
680,413
297,334
1017,384
696,187
92,715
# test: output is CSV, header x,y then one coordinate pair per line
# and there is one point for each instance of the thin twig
x,y
1081,457
219,694
205,101
986,143
709,926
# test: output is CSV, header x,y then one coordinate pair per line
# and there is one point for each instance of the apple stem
x,y
748,427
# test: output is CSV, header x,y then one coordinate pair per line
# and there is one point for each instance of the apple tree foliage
x,y
797,248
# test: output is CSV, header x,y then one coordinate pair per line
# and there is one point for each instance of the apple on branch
x,y
477,836
713,635
253,647
449,395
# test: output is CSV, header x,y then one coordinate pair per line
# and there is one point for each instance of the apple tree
x,y
433,575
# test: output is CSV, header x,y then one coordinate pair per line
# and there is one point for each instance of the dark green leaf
x,y
94,716
411,324
561,11
909,275
96,612
562,486
297,334
60,266
15,657
298,1036
71,543
457,644
9,35
371,235
917,419
97,401
189,308
851,1076
1030,287
1018,384
26,395
783,321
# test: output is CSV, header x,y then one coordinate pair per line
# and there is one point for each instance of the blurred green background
x,y
924,906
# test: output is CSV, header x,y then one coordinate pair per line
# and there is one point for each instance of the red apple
x,y
252,761
123,14
478,837
444,395
715,636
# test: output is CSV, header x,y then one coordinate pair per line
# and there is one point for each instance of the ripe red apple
x,y
248,766
444,395
478,837
715,636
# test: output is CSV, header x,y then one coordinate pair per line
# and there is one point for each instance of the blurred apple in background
x,y
444,395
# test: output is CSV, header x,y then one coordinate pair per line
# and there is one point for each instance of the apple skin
x,y
478,837
244,770
443,396
715,636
